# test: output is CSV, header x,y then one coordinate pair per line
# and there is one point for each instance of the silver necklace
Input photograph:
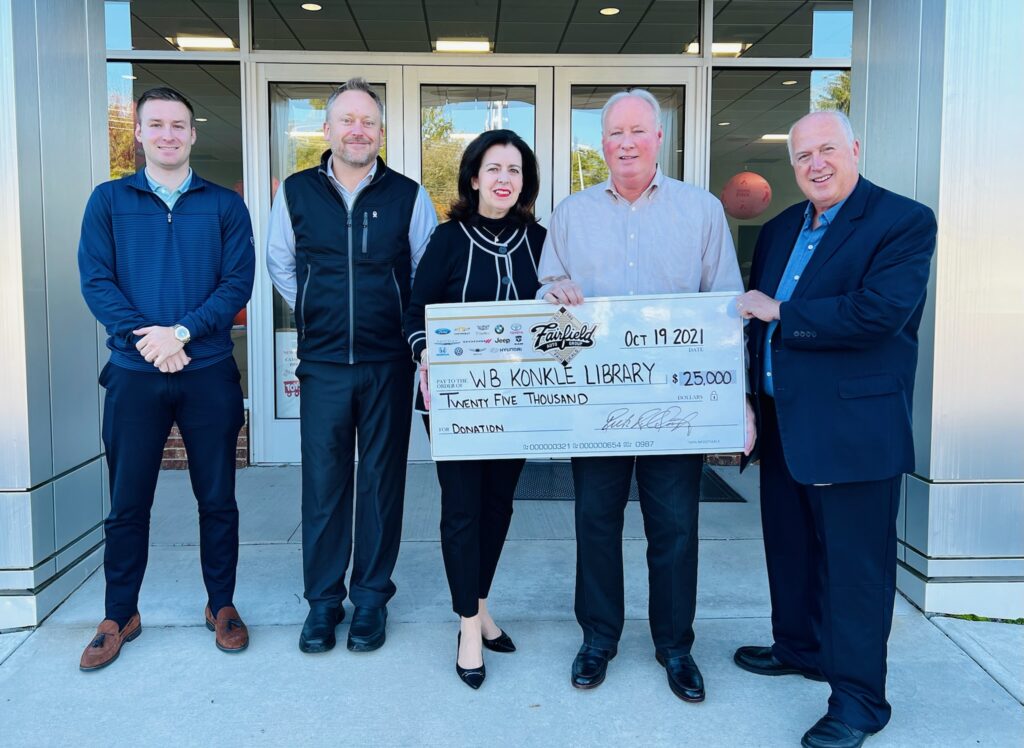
x,y
494,237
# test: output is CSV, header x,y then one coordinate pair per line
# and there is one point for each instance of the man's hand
x,y
565,291
748,444
756,304
175,363
424,381
158,344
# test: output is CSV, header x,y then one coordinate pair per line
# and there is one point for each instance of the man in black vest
x,y
344,240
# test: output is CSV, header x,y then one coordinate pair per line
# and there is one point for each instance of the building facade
x,y
920,79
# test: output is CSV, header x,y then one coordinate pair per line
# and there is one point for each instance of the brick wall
x,y
174,449
723,460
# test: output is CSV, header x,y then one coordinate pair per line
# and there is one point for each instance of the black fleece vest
x,y
353,268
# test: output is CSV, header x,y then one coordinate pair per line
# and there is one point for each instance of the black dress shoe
x,y
684,677
760,660
829,732
500,643
471,676
367,630
318,630
590,666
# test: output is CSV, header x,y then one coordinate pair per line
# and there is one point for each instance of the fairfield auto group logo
x,y
563,336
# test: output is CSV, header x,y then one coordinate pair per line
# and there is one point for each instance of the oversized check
x,y
623,375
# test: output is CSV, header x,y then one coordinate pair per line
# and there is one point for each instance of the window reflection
x,y
782,28
451,116
746,106
639,26
207,25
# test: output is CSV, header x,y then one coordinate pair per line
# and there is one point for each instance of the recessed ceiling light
x,y
201,42
609,11
774,137
789,83
201,119
130,77
312,7
462,45
723,124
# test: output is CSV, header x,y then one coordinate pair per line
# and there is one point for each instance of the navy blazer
x,y
844,353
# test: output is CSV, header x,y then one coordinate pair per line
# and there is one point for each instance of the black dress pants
x,y
669,488
476,511
339,402
831,556
139,410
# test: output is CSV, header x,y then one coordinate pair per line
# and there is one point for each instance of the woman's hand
x,y
424,380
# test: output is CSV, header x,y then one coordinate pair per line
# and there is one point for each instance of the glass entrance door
x,y
580,93
446,107
431,114
291,101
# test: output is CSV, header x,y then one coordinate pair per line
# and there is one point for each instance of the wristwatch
x,y
182,334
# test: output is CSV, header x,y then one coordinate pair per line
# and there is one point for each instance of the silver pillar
x,y
53,149
939,101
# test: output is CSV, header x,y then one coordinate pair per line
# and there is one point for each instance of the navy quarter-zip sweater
x,y
143,264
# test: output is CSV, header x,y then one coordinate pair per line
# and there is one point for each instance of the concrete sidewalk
x,y
951,682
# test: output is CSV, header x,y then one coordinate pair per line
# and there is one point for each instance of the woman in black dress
x,y
487,251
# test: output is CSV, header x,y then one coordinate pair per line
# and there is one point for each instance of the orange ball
x,y
746,195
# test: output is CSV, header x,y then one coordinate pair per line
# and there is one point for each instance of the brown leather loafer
x,y
232,635
106,645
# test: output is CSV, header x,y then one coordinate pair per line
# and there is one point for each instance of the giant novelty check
x,y
625,375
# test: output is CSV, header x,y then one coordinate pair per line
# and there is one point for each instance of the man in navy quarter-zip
x,y
166,262
344,240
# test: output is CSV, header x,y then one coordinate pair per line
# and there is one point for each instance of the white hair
x,y
841,119
640,93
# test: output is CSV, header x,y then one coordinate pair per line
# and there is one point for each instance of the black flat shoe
x,y
829,732
760,660
500,643
684,677
367,631
473,676
318,630
590,666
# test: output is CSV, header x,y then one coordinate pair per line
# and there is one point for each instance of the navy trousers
x,y
831,555
669,488
339,402
138,412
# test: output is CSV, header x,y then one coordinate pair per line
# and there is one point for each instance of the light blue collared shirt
x,y
349,197
806,242
170,197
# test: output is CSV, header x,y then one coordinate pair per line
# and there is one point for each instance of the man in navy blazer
x,y
837,291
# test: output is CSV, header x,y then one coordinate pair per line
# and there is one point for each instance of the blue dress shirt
x,y
808,239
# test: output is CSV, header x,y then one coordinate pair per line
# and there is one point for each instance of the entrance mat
x,y
552,481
